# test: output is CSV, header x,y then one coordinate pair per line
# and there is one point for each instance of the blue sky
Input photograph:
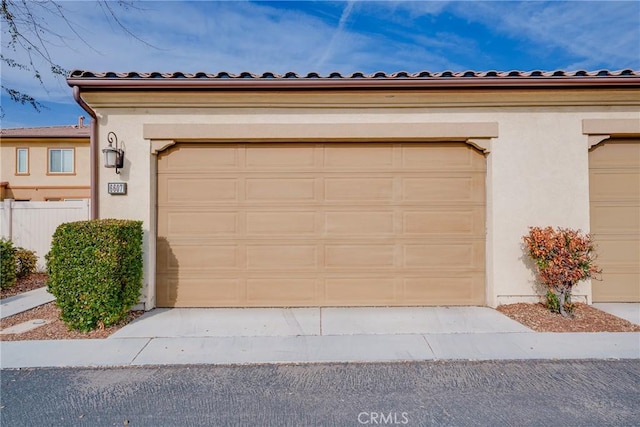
x,y
305,36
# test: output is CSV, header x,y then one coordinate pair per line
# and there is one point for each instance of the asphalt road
x,y
521,393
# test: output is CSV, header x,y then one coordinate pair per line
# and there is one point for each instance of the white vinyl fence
x,y
31,224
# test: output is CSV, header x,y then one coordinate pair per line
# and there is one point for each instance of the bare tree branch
x,y
25,22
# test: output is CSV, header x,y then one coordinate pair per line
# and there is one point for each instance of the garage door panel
x,y
219,156
280,189
460,256
203,257
458,222
197,190
614,219
617,287
286,256
614,190
360,291
614,185
261,157
615,154
188,291
320,224
165,290
449,188
620,252
444,157
282,291
349,256
198,223
353,157
163,254
359,223
351,189
445,290
268,223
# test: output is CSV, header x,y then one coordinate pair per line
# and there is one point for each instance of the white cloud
x,y
188,37
595,32
575,34
328,51
216,36
415,8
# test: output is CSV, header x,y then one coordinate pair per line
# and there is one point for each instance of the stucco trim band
x,y
599,130
617,127
477,133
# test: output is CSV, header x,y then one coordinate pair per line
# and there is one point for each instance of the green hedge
x,y
7,264
95,271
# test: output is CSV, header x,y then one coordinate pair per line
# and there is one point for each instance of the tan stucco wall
x,y
38,184
537,165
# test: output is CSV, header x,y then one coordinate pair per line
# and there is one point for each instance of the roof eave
x,y
36,136
355,83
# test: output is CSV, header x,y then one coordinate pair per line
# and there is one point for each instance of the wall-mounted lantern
x,y
113,157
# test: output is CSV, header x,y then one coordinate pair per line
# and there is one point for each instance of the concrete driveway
x,y
285,322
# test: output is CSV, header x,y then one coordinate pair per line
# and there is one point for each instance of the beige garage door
x,y
250,225
614,177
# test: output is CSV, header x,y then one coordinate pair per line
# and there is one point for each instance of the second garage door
x,y
273,225
614,189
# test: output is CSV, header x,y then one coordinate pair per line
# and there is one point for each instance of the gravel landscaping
x,y
585,319
53,328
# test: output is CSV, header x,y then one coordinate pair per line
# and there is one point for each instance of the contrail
x,y
343,20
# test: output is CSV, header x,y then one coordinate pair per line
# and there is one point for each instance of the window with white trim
x,y
22,161
61,160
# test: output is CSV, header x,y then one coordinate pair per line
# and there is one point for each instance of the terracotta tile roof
x,y
402,79
47,132
80,74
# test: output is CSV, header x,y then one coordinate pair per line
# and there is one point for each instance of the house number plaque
x,y
117,188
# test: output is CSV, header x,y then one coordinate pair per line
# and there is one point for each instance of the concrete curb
x,y
318,349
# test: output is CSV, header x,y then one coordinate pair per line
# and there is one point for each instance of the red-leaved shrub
x,y
563,257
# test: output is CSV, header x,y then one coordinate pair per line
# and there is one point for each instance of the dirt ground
x,y
53,328
29,283
585,319
534,316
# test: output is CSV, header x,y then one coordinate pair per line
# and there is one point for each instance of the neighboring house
x,y
367,190
45,163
